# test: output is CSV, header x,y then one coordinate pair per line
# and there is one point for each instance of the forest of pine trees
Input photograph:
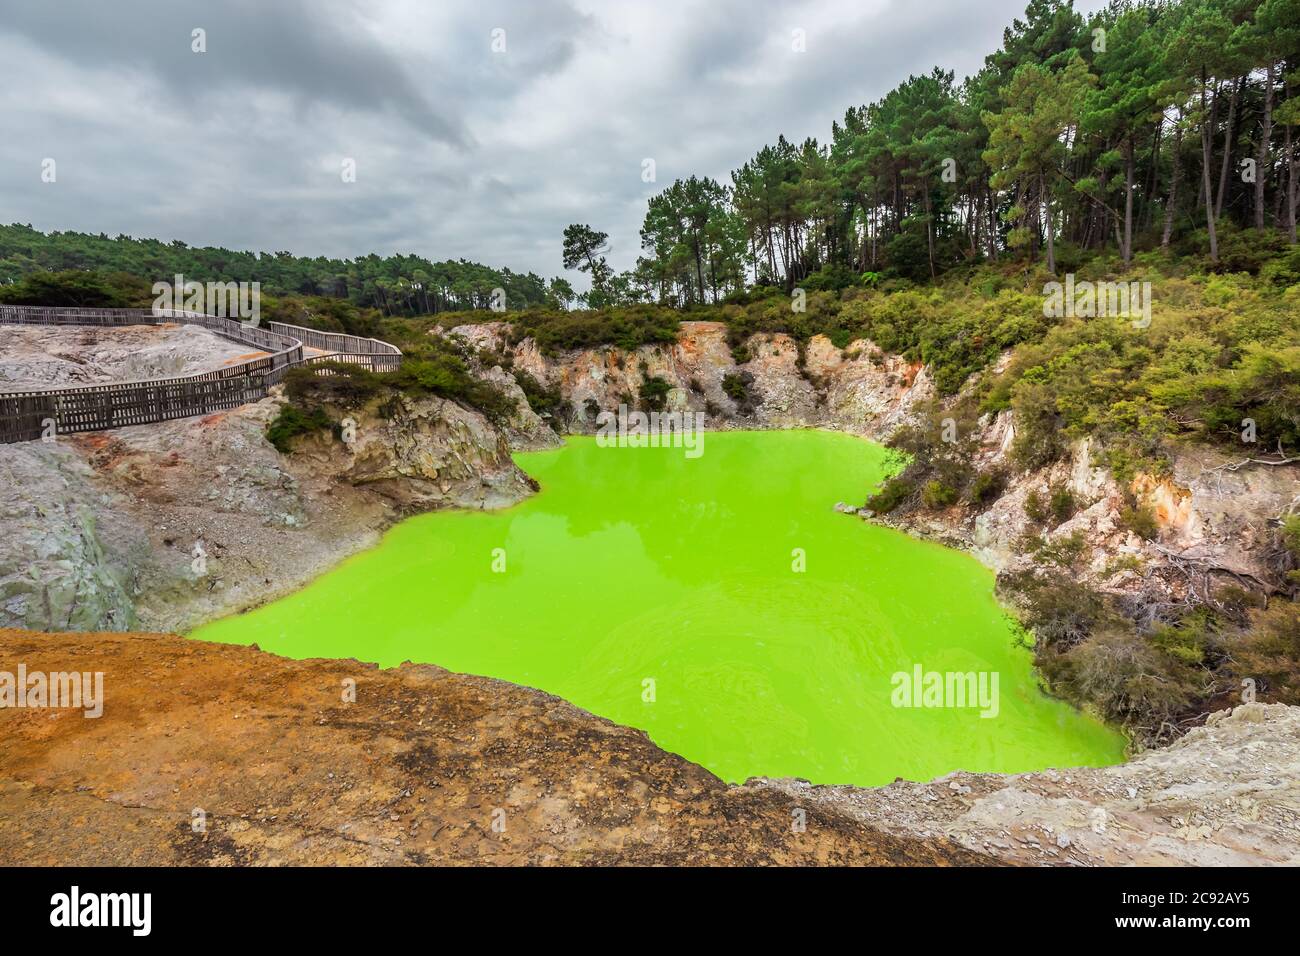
x,y
1151,123
395,285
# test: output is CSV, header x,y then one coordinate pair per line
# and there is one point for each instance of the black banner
x,y
927,906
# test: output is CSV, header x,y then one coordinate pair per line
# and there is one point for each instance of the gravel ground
x,y
51,357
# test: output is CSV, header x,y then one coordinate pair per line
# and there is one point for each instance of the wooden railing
x,y
31,414
380,353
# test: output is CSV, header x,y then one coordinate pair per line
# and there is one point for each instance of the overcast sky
x,y
460,150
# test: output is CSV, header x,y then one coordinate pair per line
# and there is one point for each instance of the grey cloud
x,y
313,51
460,152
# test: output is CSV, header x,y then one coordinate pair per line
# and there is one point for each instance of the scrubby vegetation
x,y
654,392
1159,678
293,421
435,366
546,400
624,327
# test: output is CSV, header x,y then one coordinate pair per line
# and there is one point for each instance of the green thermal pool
x,y
660,591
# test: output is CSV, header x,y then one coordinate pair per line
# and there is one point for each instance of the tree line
x,y
1149,123
395,285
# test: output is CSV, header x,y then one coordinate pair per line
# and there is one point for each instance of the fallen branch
x,y
1235,466
1186,563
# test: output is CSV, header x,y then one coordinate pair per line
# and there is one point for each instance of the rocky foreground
x,y
430,767
426,767
1226,794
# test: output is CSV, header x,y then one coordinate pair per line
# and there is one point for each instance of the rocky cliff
x,y
1215,519
858,389
173,524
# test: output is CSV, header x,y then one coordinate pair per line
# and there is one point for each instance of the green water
x,y
640,565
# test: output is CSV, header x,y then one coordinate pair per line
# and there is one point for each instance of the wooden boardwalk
x,y
33,414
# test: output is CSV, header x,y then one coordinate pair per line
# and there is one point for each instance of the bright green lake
x,y
635,564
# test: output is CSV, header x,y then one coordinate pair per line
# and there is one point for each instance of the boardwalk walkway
x,y
32,414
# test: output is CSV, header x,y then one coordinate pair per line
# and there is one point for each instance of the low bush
x,y
654,393
891,494
1061,504
546,400
1140,519
736,388
293,421
627,327
937,495
987,487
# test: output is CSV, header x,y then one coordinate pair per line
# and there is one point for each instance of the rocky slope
x,y
1216,518
858,389
424,767
1226,794
173,524
1216,521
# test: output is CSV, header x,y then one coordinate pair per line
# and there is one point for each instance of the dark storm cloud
x,y
460,151
316,51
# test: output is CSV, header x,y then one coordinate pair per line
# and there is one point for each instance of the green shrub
x,y
546,401
293,421
447,376
1140,519
1038,440
937,495
1059,610
654,392
1270,651
1061,552
1061,504
1291,534
627,327
892,493
987,487
346,384
1090,654
736,388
